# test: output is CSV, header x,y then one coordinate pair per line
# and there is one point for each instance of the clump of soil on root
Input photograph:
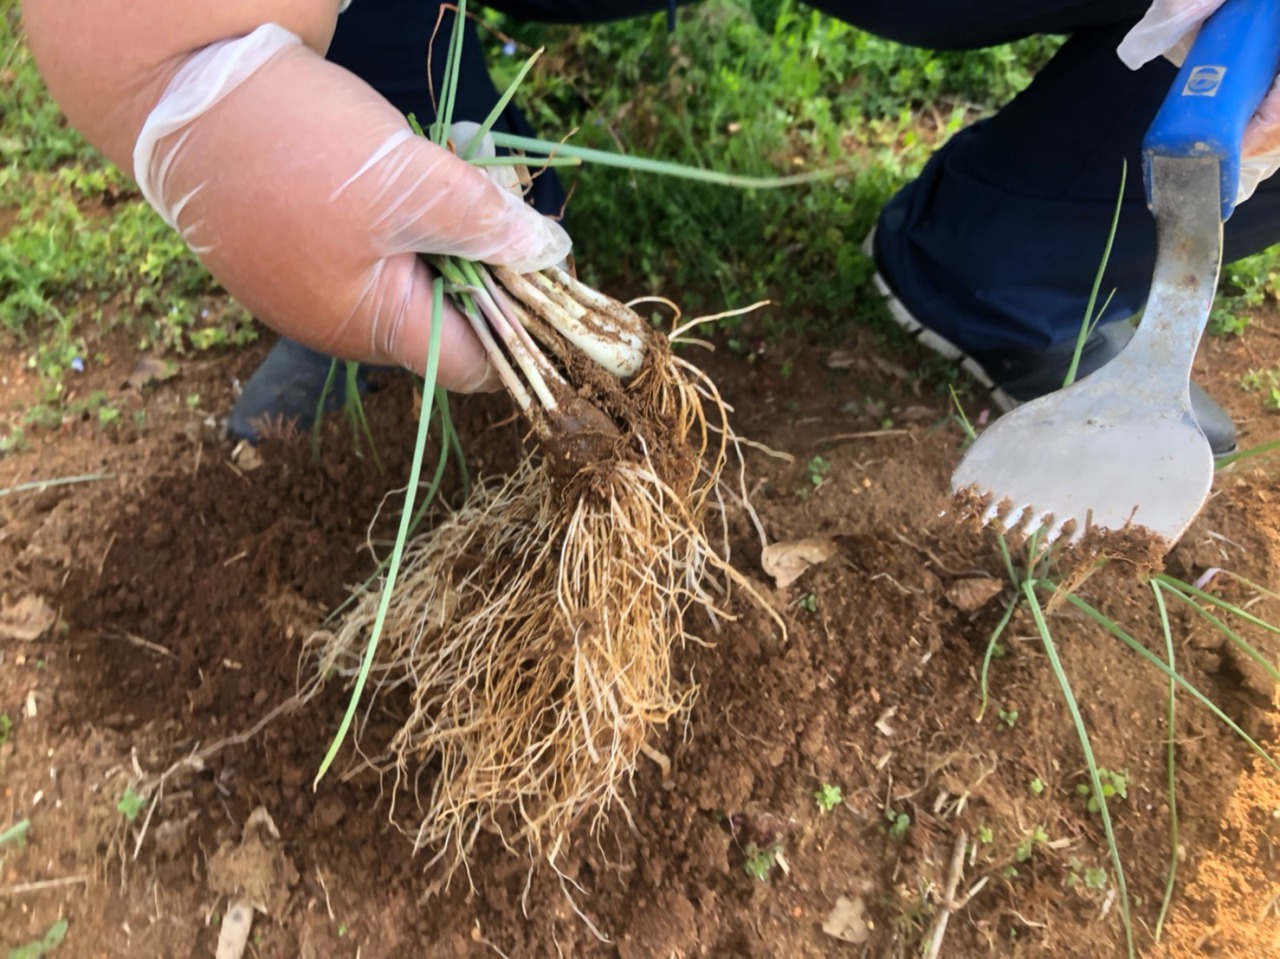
x,y
527,649
1142,550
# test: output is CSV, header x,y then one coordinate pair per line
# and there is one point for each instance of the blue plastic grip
x,y
1225,77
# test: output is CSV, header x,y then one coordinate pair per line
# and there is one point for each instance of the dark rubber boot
x,y
1024,374
286,389
1018,374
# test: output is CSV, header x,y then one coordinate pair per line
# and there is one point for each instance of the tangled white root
x,y
534,633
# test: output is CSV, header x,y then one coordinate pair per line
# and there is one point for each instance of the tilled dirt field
x,y
184,583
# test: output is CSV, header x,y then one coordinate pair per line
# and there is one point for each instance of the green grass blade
x,y
1034,553
1115,630
325,392
36,486
1240,642
437,479
452,64
1260,450
449,435
1171,762
355,410
452,441
1182,587
1244,580
433,490
986,659
397,552
1090,320
1189,589
15,833
970,433
662,167
1186,592
1102,311
533,163
1029,591
501,105
1008,560
41,948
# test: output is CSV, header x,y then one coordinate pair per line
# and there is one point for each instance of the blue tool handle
x,y
1225,77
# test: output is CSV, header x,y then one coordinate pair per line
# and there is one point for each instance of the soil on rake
x,y
185,583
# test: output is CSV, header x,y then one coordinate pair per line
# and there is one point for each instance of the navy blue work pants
x,y
996,243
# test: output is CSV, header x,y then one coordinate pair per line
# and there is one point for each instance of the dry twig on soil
x,y
950,904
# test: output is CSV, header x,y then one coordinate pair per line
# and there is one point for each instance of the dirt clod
x,y
27,619
847,921
255,870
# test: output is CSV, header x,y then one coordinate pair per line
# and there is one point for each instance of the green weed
x,y
1092,877
1114,784
760,860
81,253
33,134
1025,849
1030,575
818,468
14,440
17,833
131,804
828,797
1266,382
40,948
1245,285
1034,577
899,824
42,416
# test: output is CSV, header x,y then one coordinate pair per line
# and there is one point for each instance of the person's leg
x,y
991,252
946,25
998,240
996,243
581,11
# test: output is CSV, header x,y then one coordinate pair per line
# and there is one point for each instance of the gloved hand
x,y
1168,29
308,197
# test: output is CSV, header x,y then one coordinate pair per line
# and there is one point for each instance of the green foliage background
x,y
749,86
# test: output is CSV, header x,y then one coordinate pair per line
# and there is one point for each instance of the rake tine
x,y
1059,526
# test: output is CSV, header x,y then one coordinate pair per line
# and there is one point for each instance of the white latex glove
x,y
1168,29
308,197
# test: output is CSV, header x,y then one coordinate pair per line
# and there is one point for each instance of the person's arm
x,y
106,63
301,188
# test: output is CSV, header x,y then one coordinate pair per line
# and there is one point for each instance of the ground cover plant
x,y
828,776
82,257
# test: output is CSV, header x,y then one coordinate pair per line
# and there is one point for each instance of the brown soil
x,y
185,583
1134,545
